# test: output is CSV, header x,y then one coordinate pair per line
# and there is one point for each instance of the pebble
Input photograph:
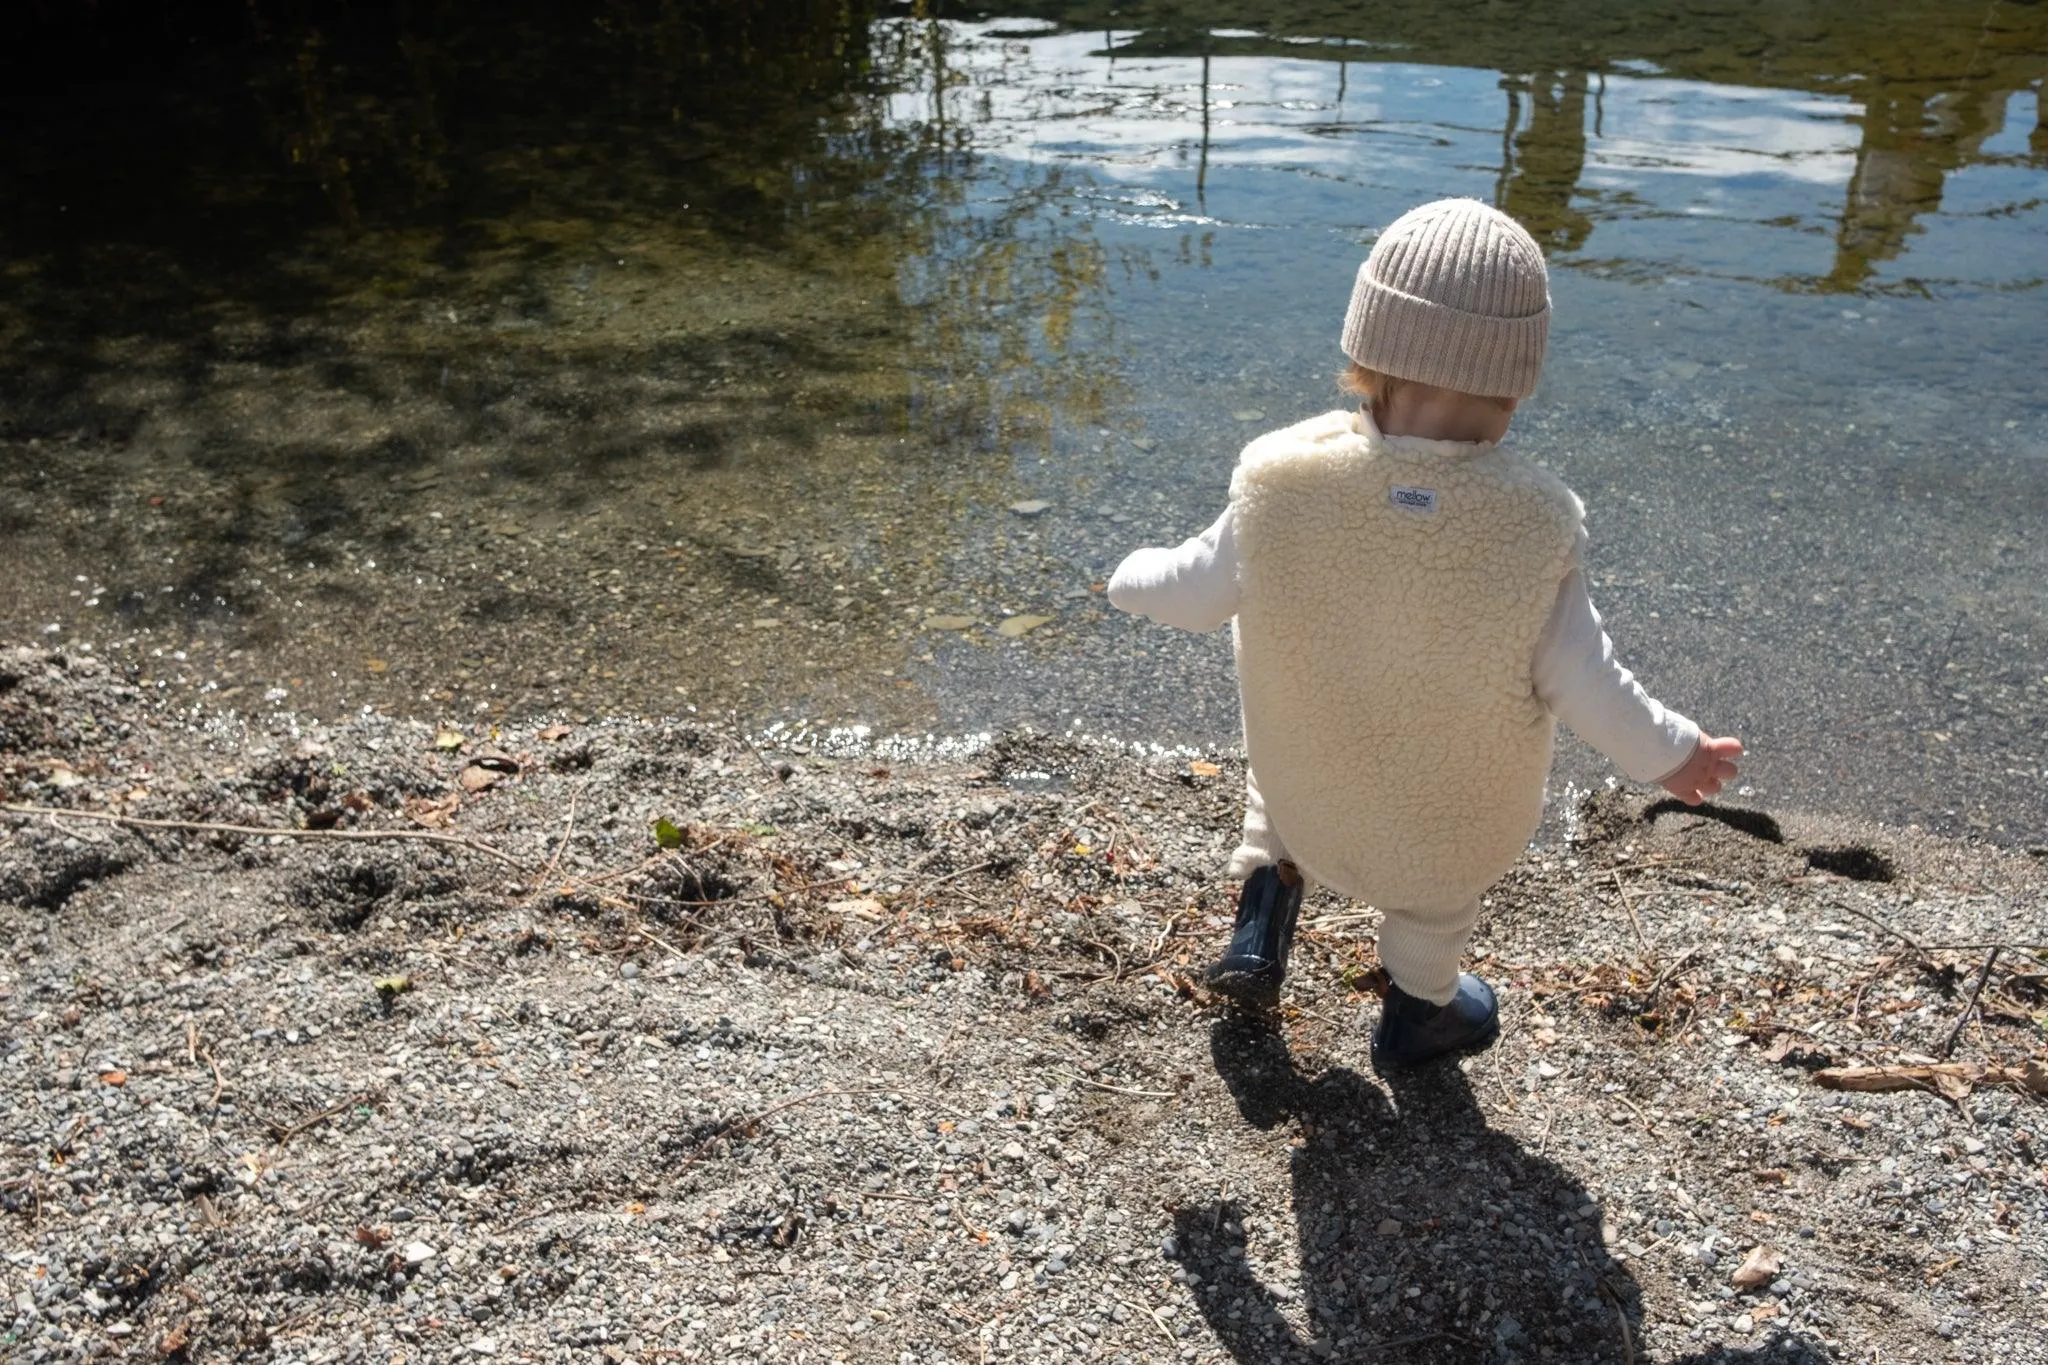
x,y
630,970
402,1214
418,1253
1389,1227
1249,415
1030,507
1014,1151
1744,1325
1170,1249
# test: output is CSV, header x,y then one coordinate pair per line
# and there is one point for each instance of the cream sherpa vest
x,y
1392,591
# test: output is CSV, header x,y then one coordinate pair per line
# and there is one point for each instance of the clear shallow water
x,y
660,379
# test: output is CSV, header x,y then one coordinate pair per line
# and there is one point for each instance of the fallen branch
x,y
286,1132
1649,958
265,832
2032,1077
1899,934
1116,1089
1948,1045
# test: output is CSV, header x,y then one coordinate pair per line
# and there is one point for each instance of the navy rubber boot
x,y
1251,971
1413,1032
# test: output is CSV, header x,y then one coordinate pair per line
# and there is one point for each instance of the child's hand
x,y
1711,764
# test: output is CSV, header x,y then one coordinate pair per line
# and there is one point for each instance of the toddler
x,y
1411,621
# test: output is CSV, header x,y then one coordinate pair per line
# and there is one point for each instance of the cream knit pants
x,y
1420,946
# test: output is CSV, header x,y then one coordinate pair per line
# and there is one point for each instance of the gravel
x,y
911,1064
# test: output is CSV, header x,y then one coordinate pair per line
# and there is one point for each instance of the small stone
x,y
1389,1227
630,971
418,1253
1248,415
401,1214
1781,1287
1547,1071
1017,1220
1013,1151
1010,1280
1030,507
484,1346
1744,1325
1169,1249
1012,627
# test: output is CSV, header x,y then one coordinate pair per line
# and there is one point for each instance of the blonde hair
x,y
1378,389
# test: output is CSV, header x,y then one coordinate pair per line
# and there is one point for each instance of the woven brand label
x,y
1421,500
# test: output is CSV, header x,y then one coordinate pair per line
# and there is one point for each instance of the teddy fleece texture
x,y
1391,594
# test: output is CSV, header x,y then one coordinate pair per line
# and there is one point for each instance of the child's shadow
x,y
1492,1257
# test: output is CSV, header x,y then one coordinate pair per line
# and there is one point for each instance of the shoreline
x,y
866,1054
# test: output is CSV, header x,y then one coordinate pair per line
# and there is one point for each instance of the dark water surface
x,y
657,356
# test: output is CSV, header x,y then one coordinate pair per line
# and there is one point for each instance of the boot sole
x,y
1245,989
1477,1045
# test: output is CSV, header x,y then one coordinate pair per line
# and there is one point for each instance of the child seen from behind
x,y
1411,621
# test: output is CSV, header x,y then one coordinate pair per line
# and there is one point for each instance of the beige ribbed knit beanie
x,y
1454,294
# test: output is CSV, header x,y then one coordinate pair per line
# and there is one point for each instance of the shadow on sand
x,y
1497,1255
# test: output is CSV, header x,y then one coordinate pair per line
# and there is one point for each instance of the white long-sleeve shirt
x,y
1576,673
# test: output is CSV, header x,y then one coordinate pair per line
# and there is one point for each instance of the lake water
x,y
698,358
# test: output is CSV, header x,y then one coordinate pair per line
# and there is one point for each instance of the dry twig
x,y
422,836
1948,1046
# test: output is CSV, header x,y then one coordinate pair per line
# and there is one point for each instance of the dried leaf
x,y
1760,1267
557,732
1034,985
476,779
1780,1048
1856,1121
114,1077
1201,767
432,814
449,740
390,986
373,1238
667,834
